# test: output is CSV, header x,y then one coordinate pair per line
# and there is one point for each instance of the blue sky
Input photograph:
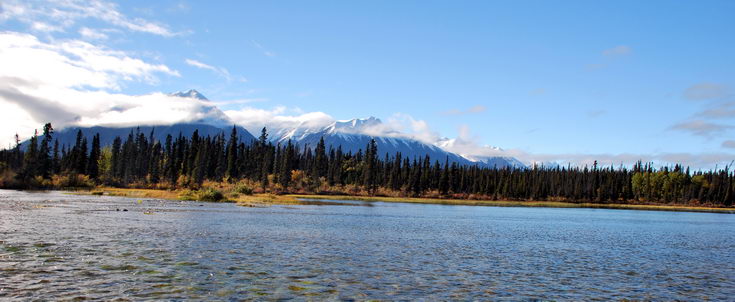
x,y
571,78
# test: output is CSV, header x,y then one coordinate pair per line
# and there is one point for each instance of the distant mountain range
x,y
355,134
351,135
68,135
215,123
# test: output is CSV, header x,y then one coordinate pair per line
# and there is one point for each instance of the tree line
x,y
189,162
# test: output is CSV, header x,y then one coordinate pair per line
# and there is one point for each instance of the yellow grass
x,y
511,203
301,199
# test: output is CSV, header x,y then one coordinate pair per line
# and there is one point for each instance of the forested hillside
x,y
139,160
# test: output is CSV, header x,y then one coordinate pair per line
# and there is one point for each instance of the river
x,y
55,245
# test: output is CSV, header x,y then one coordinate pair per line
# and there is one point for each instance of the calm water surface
x,y
55,246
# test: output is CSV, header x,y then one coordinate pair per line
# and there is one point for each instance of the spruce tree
x,y
232,164
94,156
44,154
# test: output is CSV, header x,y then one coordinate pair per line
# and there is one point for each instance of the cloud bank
x,y
72,82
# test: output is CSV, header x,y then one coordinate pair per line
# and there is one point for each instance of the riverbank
x,y
510,203
314,199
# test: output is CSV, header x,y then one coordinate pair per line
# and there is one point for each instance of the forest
x,y
139,161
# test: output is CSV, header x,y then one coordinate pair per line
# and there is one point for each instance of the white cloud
x,y
92,34
45,27
60,15
254,119
68,82
71,63
201,65
468,146
222,72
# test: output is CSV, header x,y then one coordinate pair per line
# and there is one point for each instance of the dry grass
x,y
511,203
265,199
134,193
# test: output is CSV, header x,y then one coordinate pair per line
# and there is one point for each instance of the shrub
x,y
187,195
8,179
210,194
243,188
207,194
71,181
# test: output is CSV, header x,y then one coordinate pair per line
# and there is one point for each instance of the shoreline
x,y
317,199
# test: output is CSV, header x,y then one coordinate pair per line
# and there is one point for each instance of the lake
x,y
54,245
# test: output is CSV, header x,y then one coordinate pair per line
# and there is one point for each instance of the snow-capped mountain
x,y
482,155
350,135
210,114
353,135
212,122
191,93
67,136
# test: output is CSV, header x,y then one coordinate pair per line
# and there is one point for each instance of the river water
x,y
55,245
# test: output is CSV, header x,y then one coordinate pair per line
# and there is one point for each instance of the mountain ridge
x,y
351,135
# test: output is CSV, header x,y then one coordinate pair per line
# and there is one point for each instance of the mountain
x,y
354,135
67,136
484,160
210,114
213,122
191,93
351,135
498,161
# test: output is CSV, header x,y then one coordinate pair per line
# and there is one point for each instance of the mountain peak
x,y
191,93
357,124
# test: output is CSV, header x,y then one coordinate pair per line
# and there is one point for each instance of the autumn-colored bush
x,y
71,180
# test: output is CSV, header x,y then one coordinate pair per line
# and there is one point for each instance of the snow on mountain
x,y
353,135
482,155
211,115
211,122
191,93
67,136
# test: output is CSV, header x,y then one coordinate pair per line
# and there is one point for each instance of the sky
x,y
570,81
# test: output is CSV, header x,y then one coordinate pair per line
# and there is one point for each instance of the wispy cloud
x,y
201,65
716,117
706,91
92,34
45,27
471,110
719,111
265,51
620,50
701,128
730,144
221,71
60,15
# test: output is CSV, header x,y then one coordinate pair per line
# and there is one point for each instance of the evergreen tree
x,y
44,154
232,164
94,157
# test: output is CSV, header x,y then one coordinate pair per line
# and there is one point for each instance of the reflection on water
x,y
54,245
